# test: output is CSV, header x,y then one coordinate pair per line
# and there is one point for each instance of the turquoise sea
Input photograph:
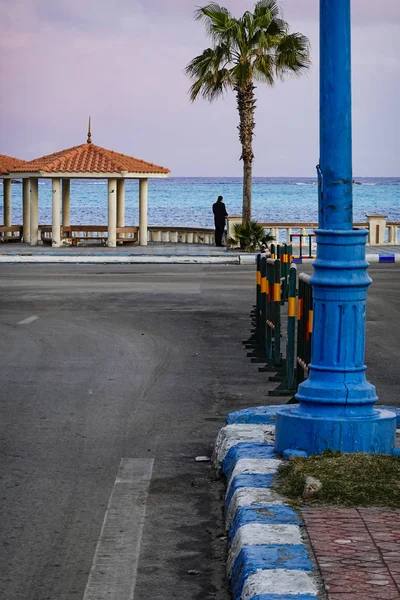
x,y
187,201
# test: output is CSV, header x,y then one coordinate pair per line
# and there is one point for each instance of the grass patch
x,y
347,479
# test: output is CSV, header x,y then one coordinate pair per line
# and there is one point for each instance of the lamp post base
x,y
297,430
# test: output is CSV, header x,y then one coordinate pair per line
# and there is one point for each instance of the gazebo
x,y
6,164
86,161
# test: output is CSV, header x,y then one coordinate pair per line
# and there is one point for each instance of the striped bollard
x,y
277,313
290,253
263,310
270,326
285,273
305,326
288,385
258,354
258,295
253,340
272,253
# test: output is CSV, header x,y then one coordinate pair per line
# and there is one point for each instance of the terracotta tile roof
x,y
9,162
89,158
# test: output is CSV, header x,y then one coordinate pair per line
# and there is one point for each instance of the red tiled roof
x,y
89,158
9,162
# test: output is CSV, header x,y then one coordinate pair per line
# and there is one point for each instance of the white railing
x,y
381,231
184,235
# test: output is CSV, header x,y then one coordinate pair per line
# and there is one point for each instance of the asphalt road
x,y
131,362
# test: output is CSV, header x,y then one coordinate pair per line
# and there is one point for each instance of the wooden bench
x,y
86,233
10,234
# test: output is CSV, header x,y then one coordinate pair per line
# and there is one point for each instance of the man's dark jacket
x,y
220,213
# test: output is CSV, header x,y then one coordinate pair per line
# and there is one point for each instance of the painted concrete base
x,y
268,557
314,435
259,415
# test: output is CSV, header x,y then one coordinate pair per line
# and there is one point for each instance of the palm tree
x,y
254,48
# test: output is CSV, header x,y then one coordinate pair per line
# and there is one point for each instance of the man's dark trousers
x,y
219,232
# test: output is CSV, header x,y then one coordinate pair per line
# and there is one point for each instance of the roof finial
x,y
89,134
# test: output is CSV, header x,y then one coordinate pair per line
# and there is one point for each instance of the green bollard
x,y
263,308
256,313
288,385
277,313
269,345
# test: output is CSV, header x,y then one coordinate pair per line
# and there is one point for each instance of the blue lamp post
x,y
336,403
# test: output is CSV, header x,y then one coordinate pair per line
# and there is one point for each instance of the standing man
x,y
220,215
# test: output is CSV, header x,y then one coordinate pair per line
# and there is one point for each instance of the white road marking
x,y
114,568
28,320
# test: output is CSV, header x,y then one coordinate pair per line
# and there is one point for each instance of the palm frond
x,y
271,7
217,21
292,55
264,69
250,236
212,78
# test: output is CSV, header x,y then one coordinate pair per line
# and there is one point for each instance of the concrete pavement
x,y
141,363
122,362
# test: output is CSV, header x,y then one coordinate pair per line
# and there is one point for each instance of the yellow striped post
x,y
288,384
277,313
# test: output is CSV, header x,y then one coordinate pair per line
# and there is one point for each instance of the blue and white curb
x,y
381,257
267,557
237,433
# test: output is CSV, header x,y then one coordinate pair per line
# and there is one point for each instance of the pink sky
x,y
122,62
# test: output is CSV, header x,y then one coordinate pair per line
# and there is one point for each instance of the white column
x,y
121,204
26,210
34,196
112,213
143,192
377,229
7,203
56,213
66,202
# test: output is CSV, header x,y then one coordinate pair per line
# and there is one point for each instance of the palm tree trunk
x,y
247,189
246,106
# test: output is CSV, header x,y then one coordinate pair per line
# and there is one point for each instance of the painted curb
x,y
234,434
250,259
46,259
383,258
247,259
268,557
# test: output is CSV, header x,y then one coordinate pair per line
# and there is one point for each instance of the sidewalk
x,y
153,253
153,248
158,252
277,553
357,551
